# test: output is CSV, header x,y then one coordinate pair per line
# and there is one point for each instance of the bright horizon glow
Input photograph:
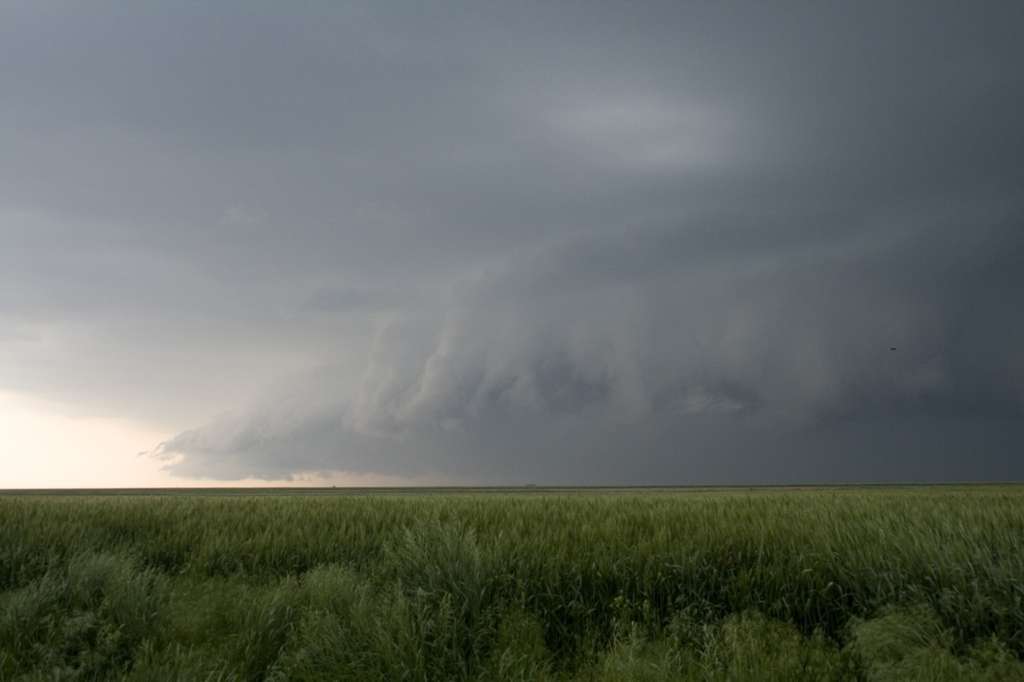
x,y
42,447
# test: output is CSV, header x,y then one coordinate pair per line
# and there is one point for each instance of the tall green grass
x,y
873,584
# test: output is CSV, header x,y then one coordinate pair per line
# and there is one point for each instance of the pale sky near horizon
x,y
43,447
498,243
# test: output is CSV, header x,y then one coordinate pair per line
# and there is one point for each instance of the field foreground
x,y
923,583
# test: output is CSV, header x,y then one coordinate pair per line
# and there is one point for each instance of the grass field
x,y
874,583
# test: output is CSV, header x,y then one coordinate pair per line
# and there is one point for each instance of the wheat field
x,y
858,583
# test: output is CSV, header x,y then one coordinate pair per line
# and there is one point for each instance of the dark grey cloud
x,y
552,242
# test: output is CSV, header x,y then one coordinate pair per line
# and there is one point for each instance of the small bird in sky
x,y
892,347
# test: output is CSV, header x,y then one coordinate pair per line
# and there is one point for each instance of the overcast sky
x,y
551,242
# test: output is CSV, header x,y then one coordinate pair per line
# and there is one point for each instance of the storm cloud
x,y
551,242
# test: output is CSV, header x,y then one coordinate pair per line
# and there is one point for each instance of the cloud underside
x,y
849,363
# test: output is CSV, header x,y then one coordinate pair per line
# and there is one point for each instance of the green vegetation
x,y
828,584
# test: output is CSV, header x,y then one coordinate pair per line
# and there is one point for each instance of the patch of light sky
x,y
43,447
